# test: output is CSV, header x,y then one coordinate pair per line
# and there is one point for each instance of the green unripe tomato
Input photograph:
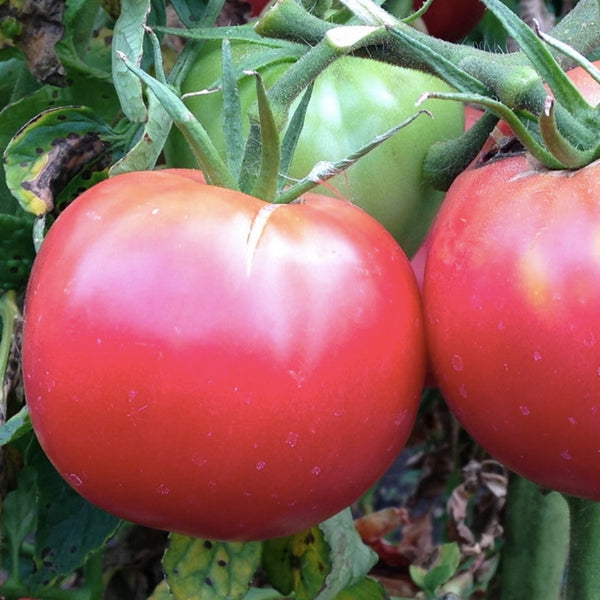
x,y
353,101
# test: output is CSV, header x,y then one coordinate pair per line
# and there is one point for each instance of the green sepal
x,y
201,145
232,113
445,160
570,156
516,121
268,175
323,171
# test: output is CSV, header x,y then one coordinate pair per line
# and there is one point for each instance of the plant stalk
x,y
583,569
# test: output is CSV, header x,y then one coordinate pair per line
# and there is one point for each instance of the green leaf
x,y
350,558
16,427
85,47
69,529
161,592
194,12
128,40
145,152
52,149
204,150
100,97
15,80
199,569
18,521
16,251
364,589
446,565
297,563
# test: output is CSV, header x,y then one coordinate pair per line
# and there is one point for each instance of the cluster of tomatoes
x,y
235,369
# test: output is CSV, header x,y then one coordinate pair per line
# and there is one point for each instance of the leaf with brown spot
x,y
53,150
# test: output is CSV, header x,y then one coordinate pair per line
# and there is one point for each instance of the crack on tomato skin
x,y
255,232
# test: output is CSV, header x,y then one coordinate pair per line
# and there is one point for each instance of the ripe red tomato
x,y
511,293
201,361
451,20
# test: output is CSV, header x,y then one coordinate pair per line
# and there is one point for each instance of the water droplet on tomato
x,y
316,470
292,439
566,455
524,410
573,420
162,489
260,465
537,356
457,362
462,390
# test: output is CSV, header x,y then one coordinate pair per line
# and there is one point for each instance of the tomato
x,y
353,101
201,361
511,291
451,20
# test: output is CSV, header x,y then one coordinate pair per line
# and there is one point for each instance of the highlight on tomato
x,y
201,361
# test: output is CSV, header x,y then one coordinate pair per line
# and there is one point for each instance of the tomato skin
x,y
511,292
200,361
451,20
353,101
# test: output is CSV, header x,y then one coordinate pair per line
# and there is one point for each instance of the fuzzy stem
x,y
583,574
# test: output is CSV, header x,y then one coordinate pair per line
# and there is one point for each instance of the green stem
x,y
536,543
9,314
583,572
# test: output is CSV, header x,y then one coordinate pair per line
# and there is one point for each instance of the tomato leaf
x,y
364,589
128,39
298,563
350,558
86,44
18,521
57,147
161,592
192,12
16,250
69,529
150,140
201,569
16,427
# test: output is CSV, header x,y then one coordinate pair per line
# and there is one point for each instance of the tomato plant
x,y
201,361
353,101
451,19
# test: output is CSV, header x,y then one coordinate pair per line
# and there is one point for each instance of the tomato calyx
x,y
513,87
